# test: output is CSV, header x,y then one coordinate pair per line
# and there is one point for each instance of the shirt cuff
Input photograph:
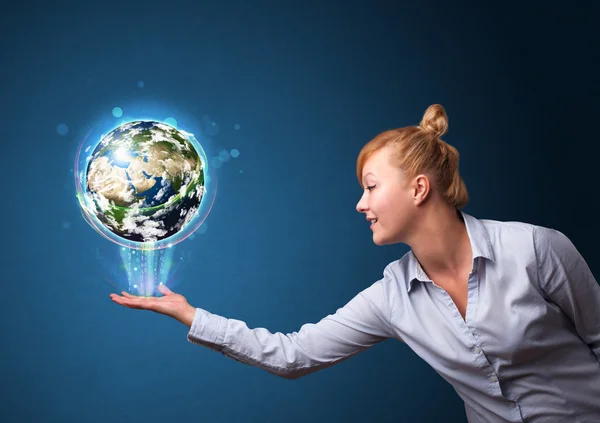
x,y
207,330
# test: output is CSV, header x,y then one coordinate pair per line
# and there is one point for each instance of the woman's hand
x,y
171,304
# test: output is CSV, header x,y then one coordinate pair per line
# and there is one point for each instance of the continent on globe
x,y
145,180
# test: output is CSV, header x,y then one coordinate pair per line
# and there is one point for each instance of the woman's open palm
x,y
170,304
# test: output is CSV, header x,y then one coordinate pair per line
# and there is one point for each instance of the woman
x,y
506,312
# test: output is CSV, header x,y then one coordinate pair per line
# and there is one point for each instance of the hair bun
x,y
435,120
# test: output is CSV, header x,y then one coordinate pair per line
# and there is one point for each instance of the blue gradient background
x,y
308,86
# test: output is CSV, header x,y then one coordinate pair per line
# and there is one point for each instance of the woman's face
x,y
386,198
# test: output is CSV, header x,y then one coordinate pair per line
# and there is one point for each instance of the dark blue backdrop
x,y
307,86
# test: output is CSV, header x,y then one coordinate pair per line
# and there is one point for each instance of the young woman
x,y
506,312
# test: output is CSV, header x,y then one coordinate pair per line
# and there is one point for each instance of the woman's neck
x,y
442,243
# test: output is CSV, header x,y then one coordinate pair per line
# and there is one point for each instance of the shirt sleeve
x,y
568,282
363,322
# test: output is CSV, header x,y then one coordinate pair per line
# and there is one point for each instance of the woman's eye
x,y
370,187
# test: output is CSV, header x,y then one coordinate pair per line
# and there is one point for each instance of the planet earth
x,y
145,181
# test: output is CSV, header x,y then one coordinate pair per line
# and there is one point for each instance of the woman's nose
x,y
361,205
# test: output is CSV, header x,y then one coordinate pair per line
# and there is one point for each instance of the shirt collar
x,y
480,246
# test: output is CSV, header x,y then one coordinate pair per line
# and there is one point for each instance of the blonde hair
x,y
419,149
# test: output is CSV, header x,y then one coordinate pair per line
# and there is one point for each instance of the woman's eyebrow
x,y
367,174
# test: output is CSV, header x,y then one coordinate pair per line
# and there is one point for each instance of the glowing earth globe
x,y
144,181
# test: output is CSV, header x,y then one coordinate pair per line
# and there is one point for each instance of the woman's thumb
x,y
163,289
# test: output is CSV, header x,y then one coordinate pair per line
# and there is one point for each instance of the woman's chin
x,y
379,240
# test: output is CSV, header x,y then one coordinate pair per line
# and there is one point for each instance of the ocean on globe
x,y
144,181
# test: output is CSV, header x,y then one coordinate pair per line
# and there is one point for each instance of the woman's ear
x,y
421,188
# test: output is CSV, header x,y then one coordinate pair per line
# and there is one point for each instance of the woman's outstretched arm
x,y
568,282
358,325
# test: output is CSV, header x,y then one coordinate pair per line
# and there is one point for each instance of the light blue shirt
x,y
527,351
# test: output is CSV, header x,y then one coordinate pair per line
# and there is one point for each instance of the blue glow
x,y
141,84
236,127
235,153
117,112
171,121
147,270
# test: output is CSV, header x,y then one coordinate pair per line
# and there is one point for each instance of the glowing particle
x,y
216,162
235,153
62,129
141,84
117,112
236,126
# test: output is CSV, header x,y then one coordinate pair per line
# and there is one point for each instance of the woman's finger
x,y
124,295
